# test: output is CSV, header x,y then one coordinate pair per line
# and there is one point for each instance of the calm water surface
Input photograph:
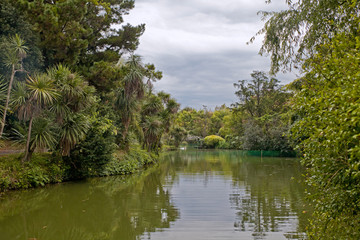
x,y
189,195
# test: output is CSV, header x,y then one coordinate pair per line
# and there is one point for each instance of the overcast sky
x,y
200,46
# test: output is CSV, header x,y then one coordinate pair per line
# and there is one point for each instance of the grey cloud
x,y
200,45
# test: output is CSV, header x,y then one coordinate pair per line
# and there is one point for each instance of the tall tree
x,y
261,95
81,31
130,93
15,52
71,106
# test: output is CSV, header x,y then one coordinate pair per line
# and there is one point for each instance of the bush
x,y
91,155
41,170
128,163
213,141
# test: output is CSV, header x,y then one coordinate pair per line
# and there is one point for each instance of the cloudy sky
x,y
200,46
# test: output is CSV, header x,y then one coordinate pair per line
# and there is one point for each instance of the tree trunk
x,y
7,100
28,153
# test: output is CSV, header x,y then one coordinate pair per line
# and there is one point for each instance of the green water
x,y
190,195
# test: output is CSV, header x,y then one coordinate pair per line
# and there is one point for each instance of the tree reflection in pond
x,y
189,195
265,193
102,208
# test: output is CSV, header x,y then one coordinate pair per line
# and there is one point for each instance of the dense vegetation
x,y
323,38
318,113
260,119
73,87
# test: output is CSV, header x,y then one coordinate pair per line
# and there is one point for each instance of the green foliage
x,y
89,157
80,30
43,169
13,22
157,115
196,122
104,76
213,141
292,35
217,119
263,121
267,133
260,96
328,135
129,163
178,135
58,110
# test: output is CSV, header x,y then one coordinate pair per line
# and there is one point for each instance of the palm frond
x,y
72,131
42,134
42,89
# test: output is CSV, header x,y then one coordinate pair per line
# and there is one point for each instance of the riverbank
x,y
44,168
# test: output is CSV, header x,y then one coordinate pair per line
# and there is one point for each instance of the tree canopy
x,y
291,35
81,31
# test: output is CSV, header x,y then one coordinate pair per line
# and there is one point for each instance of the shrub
x,y
94,152
213,141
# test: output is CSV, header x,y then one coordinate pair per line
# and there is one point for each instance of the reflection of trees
x,y
264,196
128,208
106,208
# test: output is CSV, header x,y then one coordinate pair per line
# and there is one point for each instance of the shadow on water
x,y
191,194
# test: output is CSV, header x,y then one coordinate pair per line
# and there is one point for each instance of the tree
x,y
178,134
157,115
152,75
292,35
30,101
263,103
129,95
260,96
15,52
13,22
217,119
327,133
81,31
71,106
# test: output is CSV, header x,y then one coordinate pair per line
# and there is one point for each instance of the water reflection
x,y
264,198
189,195
106,208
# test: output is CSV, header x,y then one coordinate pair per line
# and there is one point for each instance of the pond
x,y
190,194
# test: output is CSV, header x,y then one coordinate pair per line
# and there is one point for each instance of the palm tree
x,y
133,81
152,126
15,52
72,130
152,129
74,99
42,134
3,90
127,108
170,109
30,100
128,96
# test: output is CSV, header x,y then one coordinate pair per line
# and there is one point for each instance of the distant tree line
x,y
260,120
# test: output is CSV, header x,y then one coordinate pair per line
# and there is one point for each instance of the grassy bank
x,y
45,169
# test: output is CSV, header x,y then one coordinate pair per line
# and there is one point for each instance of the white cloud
x,y
200,45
